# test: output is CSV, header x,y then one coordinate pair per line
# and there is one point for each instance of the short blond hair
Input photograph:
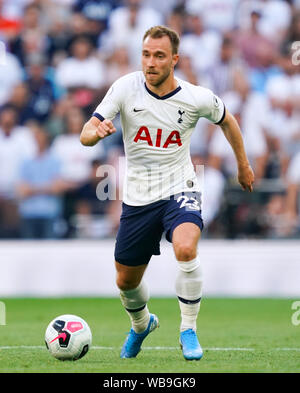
x,y
161,31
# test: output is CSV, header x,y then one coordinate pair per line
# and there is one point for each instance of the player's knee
x,y
185,252
125,284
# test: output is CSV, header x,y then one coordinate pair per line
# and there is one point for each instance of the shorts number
x,y
191,202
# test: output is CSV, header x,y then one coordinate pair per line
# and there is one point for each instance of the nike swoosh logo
x,y
137,110
61,335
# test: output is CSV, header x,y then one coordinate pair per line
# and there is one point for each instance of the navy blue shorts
x,y
141,227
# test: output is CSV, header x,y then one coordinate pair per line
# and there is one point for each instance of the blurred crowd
x,y
59,57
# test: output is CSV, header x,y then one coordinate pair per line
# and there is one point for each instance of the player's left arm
x,y
233,134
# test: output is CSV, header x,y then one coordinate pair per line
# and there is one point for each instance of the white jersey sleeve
x,y
210,106
112,103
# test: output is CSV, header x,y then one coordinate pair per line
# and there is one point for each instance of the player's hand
x,y
105,128
246,177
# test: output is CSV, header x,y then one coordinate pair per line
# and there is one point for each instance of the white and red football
x,y
68,337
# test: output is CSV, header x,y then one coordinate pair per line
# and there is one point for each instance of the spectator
x,y
272,218
59,36
91,211
41,91
249,40
11,75
39,189
252,117
276,18
14,9
55,13
163,7
292,34
10,23
266,68
97,12
19,100
185,70
87,201
127,26
16,144
176,19
75,158
55,123
83,74
282,128
82,26
118,64
32,38
229,72
291,202
78,25
201,45
219,15
212,183
221,156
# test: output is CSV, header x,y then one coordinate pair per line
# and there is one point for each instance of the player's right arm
x,y
94,130
100,124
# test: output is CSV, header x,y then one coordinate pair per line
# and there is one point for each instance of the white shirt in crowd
x,y
217,15
75,158
11,74
73,72
203,49
15,148
252,127
122,33
279,123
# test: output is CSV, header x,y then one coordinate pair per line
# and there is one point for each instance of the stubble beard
x,y
159,81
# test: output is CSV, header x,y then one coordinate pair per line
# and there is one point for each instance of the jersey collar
x,y
165,96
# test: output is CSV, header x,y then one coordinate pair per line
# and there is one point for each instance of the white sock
x,y
189,291
135,302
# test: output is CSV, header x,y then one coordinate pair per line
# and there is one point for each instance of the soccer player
x,y
161,193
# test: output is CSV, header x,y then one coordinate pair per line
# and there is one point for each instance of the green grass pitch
x,y
237,335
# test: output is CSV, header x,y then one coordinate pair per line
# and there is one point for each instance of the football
x,y
68,337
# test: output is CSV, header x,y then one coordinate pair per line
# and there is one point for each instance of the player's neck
x,y
165,88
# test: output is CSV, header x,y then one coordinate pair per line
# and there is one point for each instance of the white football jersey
x,y
156,135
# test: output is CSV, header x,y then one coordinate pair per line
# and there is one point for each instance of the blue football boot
x,y
190,346
133,342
